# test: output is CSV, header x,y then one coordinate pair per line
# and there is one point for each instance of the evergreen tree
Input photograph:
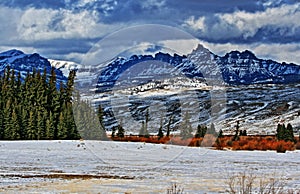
x,y
144,128
88,121
50,128
8,125
212,130
186,127
70,85
201,131
236,136
24,116
220,133
62,127
100,115
120,131
169,125
41,125
1,121
15,128
31,131
1,109
160,130
241,133
35,109
113,131
290,133
147,119
279,132
244,132
143,131
285,133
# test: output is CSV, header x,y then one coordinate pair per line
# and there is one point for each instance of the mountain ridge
x,y
234,68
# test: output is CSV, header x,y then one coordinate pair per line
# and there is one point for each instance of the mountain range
x,y
259,92
234,68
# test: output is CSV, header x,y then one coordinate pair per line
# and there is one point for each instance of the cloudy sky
x,y
68,29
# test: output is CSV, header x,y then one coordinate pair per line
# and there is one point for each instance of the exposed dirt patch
x,y
67,176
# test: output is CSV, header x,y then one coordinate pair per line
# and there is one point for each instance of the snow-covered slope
x,y
64,66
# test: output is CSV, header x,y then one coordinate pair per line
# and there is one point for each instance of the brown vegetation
x,y
256,143
226,142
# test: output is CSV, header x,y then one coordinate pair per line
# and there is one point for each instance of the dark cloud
x,y
34,3
65,46
274,34
214,6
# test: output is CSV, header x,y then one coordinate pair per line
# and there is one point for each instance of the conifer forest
x,y
36,107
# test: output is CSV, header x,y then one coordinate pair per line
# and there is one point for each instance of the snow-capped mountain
x,y
27,63
245,68
86,75
235,68
141,69
64,66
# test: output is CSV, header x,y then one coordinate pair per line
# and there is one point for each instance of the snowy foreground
x,y
118,167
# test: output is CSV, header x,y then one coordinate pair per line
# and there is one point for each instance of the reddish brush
x,y
244,142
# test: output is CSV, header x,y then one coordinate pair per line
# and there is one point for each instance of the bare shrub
x,y
248,183
271,186
175,189
242,184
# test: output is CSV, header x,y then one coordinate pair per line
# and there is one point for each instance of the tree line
x,y
186,131
185,127
36,107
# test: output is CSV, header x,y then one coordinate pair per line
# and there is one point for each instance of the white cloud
x,y
249,23
195,24
181,46
47,24
246,24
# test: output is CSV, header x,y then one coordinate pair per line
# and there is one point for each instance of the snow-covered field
x,y
119,167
